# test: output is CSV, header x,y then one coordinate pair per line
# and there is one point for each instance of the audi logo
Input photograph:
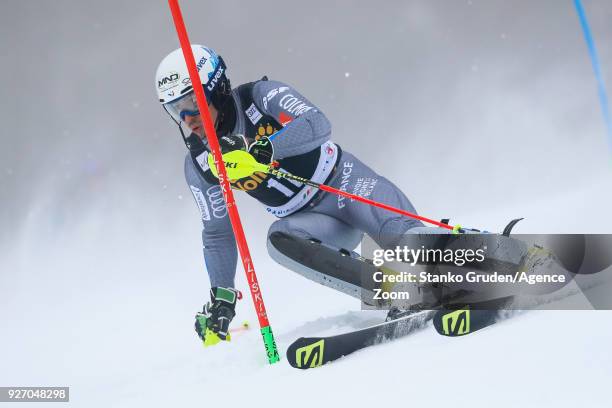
x,y
215,197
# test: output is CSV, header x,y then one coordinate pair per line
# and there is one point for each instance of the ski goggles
x,y
184,106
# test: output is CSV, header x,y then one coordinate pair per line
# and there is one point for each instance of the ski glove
x,y
262,150
212,324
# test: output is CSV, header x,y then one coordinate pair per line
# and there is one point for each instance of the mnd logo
x,y
168,81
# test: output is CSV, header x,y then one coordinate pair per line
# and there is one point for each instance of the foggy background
x,y
481,111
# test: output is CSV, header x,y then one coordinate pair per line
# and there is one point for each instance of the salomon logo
x,y
311,355
456,323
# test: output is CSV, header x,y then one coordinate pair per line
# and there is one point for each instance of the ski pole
x,y
244,164
211,135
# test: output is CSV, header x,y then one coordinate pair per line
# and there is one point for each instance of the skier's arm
x,y
220,252
306,127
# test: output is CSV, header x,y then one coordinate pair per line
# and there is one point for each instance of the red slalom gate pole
x,y
211,135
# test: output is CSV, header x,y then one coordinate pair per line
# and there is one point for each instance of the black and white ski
x,y
310,352
451,315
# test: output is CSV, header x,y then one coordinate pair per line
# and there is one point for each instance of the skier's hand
x,y
262,150
212,324
230,143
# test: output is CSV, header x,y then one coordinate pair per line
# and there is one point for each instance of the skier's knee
x,y
285,225
393,230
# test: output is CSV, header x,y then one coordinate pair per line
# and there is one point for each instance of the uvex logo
x,y
456,323
311,355
171,77
201,63
213,82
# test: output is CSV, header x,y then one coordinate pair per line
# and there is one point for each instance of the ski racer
x,y
272,121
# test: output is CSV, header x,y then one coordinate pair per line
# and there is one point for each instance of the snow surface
x,y
125,340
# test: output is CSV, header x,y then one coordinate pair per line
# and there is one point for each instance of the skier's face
x,y
195,122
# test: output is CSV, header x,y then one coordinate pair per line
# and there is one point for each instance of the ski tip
x,y
511,225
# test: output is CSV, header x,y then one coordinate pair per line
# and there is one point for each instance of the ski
x,y
453,315
310,352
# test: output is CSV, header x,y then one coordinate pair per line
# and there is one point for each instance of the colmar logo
x,y
293,105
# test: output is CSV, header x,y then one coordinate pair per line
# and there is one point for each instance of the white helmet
x,y
174,87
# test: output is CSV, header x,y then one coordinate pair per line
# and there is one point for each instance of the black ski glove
x,y
262,150
217,314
